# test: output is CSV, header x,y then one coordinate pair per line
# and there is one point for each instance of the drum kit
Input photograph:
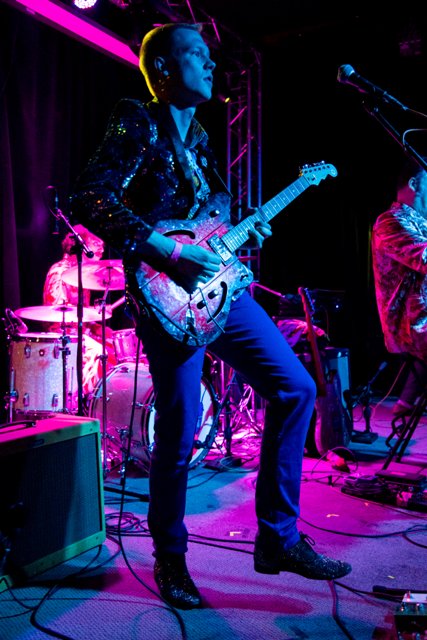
x,y
43,375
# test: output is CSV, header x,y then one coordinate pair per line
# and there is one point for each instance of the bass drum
x,y
120,384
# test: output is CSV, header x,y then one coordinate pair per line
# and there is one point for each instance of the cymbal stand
x,y
102,303
225,409
65,339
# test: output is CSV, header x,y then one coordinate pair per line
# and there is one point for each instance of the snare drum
x,y
120,393
125,345
36,372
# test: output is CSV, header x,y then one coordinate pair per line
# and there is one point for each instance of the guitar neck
x,y
239,234
312,338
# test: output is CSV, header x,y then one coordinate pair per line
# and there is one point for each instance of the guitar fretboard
x,y
237,236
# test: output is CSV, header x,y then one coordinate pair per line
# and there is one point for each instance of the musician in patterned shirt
x,y
153,166
399,254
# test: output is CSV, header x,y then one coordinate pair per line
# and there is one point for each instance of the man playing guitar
x,y
148,190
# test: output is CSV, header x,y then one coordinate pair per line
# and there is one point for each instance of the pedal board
x,y
413,481
366,487
404,490
410,617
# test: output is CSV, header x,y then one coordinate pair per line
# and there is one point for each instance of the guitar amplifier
x,y
321,435
51,505
336,360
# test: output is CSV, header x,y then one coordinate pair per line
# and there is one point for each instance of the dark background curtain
x,y
56,96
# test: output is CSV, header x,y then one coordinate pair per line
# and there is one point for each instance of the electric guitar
x,y
198,318
333,425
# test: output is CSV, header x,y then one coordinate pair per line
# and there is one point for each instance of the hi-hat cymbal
x,y
98,275
62,313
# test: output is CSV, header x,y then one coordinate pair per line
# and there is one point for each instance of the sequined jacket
x,y
399,255
140,175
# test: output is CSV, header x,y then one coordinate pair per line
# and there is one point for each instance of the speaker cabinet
x,y
338,360
51,499
332,426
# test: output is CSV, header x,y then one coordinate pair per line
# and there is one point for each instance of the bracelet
x,y
174,256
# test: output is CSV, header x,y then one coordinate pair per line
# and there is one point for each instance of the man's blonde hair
x,y
158,42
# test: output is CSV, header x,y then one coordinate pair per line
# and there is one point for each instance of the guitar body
x,y
198,318
332,427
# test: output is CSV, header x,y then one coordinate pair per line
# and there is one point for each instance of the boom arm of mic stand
x,y
375,113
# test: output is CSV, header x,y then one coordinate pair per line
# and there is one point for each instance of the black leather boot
x,y
175,583
301,559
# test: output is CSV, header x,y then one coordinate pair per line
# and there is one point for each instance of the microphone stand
x,y
394,133
80,248
364,398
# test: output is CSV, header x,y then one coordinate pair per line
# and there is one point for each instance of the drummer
x,y
57,292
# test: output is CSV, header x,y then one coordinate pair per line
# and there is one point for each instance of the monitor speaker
x,y
51,499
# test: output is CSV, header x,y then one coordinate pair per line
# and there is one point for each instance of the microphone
x,y
14,320
347,75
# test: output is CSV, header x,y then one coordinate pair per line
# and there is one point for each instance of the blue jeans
x,y
255,348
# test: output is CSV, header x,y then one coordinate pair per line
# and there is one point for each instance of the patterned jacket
x,y
399,255
140,175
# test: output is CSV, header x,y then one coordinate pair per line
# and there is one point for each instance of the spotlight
x,y
84,4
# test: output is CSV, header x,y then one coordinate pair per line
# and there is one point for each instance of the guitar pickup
x,y
218,246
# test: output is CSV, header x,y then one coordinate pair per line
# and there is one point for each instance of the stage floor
x,y
109,592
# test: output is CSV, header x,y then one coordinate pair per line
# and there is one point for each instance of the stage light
x,y
84,4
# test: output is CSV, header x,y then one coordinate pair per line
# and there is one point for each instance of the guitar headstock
x,y
315,173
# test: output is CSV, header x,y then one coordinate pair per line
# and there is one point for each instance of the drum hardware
x,y
11,396
66,352
105,274
131,408
125,345
101,303
40,380
237,404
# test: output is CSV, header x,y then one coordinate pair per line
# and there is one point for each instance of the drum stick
x,y
117,303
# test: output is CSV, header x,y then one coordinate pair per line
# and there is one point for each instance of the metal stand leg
x,y
406,430
104,432
12,396
364,398
65,353
233,413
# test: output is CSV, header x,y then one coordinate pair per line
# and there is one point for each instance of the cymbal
x,y
62,312
98,275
